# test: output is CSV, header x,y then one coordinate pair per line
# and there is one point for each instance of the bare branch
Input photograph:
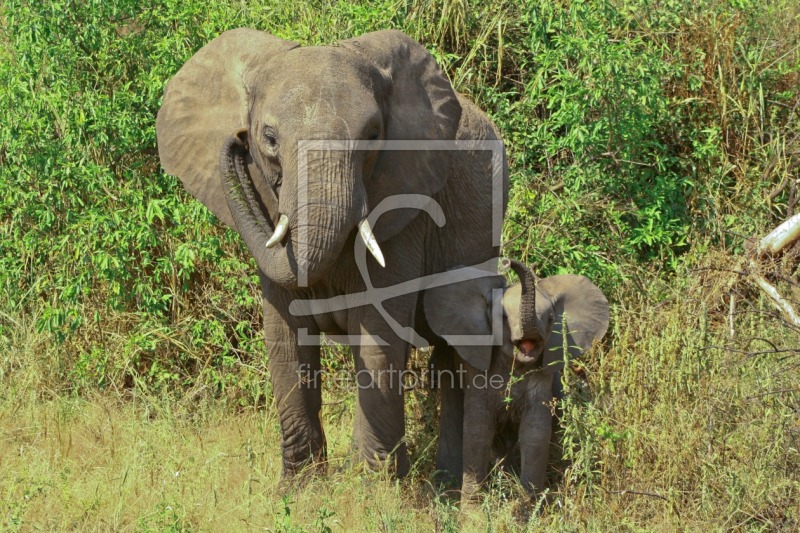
x,y
731,314
781,303
637,493
780,237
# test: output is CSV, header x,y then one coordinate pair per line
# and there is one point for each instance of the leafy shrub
x,y
633,134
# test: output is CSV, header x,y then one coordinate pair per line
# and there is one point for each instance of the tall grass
x,y
647,143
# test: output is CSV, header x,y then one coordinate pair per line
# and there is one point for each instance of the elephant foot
x,y
305,463
306,468
395,462
470,496
296,478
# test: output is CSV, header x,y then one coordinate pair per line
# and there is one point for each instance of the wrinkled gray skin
x,y
477,424
229,129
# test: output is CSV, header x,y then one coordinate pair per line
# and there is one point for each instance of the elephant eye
x,y
374,136
270,137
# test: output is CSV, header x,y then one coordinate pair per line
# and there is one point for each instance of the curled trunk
x,y
319,223
253,226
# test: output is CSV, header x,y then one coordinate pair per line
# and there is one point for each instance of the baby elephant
x,y
504,351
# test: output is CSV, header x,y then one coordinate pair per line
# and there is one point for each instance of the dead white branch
x,y
731,314
780,237
780,302
774,242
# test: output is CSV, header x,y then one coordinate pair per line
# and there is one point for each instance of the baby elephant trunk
x,y
528,319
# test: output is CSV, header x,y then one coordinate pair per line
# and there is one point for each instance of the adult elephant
x,y
303,210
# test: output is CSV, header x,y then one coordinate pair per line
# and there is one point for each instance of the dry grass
x,y
677,426
102,464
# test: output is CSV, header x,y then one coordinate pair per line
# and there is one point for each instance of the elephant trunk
x,y
528,318
332,204
253,226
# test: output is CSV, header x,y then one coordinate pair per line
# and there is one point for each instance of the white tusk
x,y
369,239
280,231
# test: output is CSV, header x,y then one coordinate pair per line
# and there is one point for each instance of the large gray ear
x,y
586,310
204,104
420,105
465,308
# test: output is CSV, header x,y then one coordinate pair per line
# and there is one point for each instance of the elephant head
x,y
255,97
535,314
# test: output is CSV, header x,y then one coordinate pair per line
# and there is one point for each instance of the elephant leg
x,y
534,432
380,418
296,384
449,458
479,430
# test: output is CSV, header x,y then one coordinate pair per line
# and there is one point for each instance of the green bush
x,y
634,133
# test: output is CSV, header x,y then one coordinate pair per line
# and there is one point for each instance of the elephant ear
x,y
204,104
420,105
586,310
465,308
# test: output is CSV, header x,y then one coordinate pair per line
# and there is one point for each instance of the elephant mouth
x,y
364,232
528,351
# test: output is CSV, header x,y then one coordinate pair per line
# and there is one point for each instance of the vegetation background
x,y
648,142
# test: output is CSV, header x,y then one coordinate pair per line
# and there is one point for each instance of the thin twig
x,y
637,493
731,314
767,393
717,269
